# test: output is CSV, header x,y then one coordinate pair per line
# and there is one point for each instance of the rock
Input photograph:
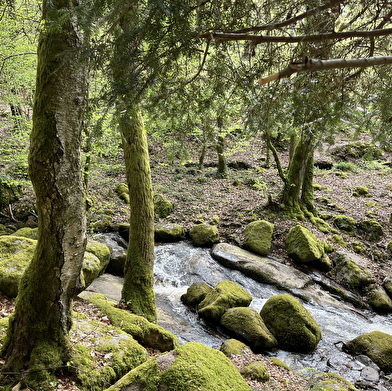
x,y
26,232
379,300
303,246
118,251
376,345
246,324
361,191
123,192
225,295
258,236
280,364
162,207
345,223
387,285
195,294
262,269
123,230
370,375
146,333
204,235
256,371
192,366
233,346
17,252
291,324
169,233
350,270
373,229
9,193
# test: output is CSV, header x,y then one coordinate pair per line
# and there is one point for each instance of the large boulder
x,y
225,295
351,270
379,300
146,333
258,236
291,324
169,233
376,345
192,366
17,252
195,294
246,324
373,229
303,246
204,235
162,207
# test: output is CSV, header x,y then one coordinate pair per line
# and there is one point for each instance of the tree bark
x,y
222,163
38,330
138,292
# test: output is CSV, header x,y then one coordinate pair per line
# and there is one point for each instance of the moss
x,y
348,271
195,294
233,346
380,300
317,187
389,246
359,248
258,237
246,323
360,191
345,223
226,294
162,207
204,235
291,324
100,250
256,371
328,248
26,232
302,245
376,345
338,239
190,367
148,334
123,192
280,363
169,233
373,228
325,381
215,220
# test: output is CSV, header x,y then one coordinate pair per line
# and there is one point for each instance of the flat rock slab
x,y
261,269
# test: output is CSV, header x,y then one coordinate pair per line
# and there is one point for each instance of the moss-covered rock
x,y
349,270
373,229
389,247
376,345
256,371
291,324
215,220
280,363
358,247
325,381
192,366
10,191
387,285
26,232
345,223
302,245
195,294
204,235
379,300
360,191
258,236
246,324
225,295
148,334
357,150
123,192
169,233
162,207
233,346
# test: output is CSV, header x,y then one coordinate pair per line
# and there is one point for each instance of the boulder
x,y
233,346
17,252
246,324
9,192
373,229
195,294
123,192
291,324
379,300
262,269
26,232
351,270
146,333
258,236
162,207
204,235
387,285
192,366
169,233
376,345
256,371
303,246
345,224
225,295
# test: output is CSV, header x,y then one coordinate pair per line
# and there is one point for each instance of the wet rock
x,y
225,295
291,324
258,236
246,324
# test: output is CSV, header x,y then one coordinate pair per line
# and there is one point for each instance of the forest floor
x,y
199,195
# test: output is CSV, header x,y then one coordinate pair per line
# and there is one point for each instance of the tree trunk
x,y
307,184
138,292
38,330
222,164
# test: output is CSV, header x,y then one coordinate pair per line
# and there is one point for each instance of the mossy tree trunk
x,y
222,162
38,330
138,292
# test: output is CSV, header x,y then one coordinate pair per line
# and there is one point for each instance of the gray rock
x,y
369,374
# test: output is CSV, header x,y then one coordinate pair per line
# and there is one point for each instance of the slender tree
x,y
38,330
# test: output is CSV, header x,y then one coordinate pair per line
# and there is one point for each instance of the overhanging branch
x,y
314,65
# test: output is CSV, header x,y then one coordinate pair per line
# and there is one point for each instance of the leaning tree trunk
x,y
138,292
38,330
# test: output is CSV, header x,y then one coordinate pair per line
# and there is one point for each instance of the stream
x,y
179,265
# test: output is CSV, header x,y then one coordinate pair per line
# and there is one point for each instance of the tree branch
x,y
223,37
322,65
